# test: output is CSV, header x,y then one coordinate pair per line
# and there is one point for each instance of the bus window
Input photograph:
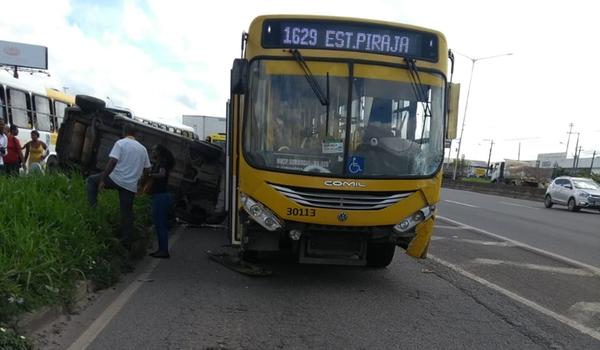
x,y
43,119
59,111
18,102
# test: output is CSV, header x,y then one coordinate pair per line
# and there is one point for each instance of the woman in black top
x,y
162,163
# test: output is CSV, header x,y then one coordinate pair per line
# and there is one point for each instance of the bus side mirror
x,y
239,76
452,121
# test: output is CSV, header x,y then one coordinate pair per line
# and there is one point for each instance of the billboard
x,y
23,55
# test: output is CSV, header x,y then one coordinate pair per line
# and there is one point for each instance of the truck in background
x,y
520,173
205,125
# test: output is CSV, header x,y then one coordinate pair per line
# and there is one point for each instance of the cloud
x,y
163,59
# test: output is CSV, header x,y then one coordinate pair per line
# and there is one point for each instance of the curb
x,y
33,321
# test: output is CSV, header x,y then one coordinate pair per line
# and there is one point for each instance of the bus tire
x,y
89,103
380,255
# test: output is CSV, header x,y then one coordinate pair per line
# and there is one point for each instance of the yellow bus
x,y
34,107
335,144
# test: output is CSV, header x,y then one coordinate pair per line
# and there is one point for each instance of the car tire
x,y
89,103
548,201
572,206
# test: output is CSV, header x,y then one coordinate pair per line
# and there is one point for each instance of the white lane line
x,y
525,246
519,205
474,241
569,322
584,311
459,203
448,227
90,334
563,270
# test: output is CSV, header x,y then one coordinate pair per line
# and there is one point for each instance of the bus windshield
x,y
392,133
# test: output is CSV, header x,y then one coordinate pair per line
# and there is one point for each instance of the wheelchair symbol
x,y
354,167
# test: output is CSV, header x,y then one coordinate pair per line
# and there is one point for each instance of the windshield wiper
x,y
418,88
314,84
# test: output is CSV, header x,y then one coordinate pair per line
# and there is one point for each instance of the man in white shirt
x,y
126,163
3,145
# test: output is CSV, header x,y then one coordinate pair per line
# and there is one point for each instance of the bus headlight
x,y
260,213
416,218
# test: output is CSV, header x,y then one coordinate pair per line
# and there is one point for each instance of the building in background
x,y
205,125
560,160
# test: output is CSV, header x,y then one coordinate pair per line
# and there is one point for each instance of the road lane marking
x,y
563,270
448,227
525,246
537,307
584,311
90,334
519,205
475,241
459,203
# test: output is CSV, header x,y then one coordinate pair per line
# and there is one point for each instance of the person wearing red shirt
x,y
14,157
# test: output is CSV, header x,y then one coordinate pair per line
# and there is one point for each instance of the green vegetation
x,y
50,238
482,180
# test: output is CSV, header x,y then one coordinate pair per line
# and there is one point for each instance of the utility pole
x,y
592,165
575,155
568,139
489,157
519,153
578,155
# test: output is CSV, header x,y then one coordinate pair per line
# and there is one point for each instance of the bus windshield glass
x,y
374,125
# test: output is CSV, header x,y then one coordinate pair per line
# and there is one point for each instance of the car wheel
x,y
548,201
572,206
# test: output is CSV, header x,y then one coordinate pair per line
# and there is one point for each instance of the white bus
x,y
175,128
32,107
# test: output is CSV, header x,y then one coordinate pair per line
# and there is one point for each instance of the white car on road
x,y
574,192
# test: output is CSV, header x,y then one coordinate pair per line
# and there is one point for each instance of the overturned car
x,y
89,131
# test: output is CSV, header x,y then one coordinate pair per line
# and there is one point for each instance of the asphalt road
x,y
191,302
573,235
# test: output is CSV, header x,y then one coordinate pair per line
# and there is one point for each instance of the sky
x,y
164,59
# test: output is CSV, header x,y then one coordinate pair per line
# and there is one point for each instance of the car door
x,y
558,192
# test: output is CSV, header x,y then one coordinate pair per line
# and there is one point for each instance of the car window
x,y
586,185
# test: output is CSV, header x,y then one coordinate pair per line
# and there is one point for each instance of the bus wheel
x,y
380,254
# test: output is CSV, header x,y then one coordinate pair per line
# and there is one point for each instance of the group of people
x,y
128,164
11,151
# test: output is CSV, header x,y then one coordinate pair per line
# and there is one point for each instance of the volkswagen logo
x,y
342,217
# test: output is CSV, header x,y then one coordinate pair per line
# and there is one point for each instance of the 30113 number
x,y
301,212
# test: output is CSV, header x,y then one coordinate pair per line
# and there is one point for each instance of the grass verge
x,y
50,239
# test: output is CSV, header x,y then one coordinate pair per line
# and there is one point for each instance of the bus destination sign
x,y
350,36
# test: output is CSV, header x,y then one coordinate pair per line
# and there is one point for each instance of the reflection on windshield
x,y
586,185
390,135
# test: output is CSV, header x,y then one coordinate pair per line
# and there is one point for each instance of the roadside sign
x,y
23,55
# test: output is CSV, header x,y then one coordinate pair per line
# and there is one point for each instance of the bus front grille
x,y
330,199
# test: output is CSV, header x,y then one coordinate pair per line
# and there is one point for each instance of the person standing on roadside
x,y
162,164
14,157
3,145
35,152
127,161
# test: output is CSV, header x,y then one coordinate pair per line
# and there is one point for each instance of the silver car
x,y
574,192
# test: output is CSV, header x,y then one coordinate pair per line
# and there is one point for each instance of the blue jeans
x,y
161,202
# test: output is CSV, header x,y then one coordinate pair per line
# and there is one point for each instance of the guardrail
x,y
520,192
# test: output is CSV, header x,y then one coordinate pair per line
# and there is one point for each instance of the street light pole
x,y
462,129
490,156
